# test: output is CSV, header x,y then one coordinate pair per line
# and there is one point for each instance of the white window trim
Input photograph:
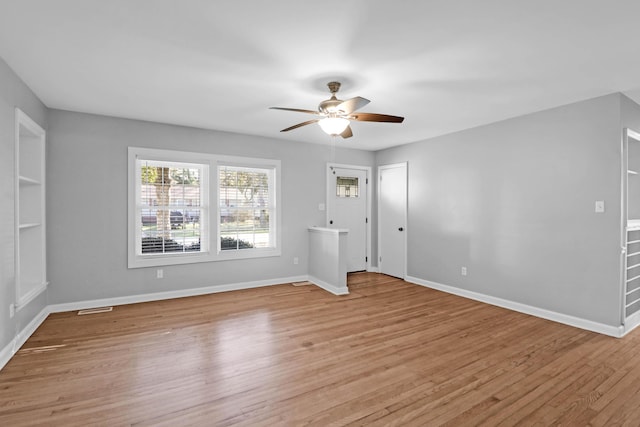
x,y
214,253
249,162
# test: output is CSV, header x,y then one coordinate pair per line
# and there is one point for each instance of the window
x,y
246,207
171,211
248,220
170,217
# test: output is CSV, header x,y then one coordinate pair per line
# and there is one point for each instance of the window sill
x,y
247,253
173,259
158,260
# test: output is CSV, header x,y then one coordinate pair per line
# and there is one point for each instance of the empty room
x,y
244,213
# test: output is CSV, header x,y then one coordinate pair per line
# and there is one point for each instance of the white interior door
x,y
392,219
347,209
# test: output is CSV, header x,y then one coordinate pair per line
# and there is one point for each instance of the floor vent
x,y
301,283
95,310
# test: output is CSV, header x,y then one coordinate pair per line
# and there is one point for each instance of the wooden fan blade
x,y
308,122
373,117
347,133
299,110
351,105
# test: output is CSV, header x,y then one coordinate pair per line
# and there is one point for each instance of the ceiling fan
x,y
334,114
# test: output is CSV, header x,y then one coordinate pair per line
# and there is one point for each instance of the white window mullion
x,y
184,228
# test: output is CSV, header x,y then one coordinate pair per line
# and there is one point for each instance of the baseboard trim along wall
x,y
158,296
343,290
14,345
566,319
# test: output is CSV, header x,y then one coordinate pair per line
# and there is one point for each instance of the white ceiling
x,y
443,65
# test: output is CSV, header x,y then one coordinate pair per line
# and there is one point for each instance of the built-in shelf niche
x,y
30,232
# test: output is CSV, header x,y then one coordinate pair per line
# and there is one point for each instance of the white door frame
x,y
368,185
406,208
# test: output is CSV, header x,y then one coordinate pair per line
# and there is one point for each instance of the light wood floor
x,y
390,353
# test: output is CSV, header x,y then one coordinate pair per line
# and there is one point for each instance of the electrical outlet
x,y
12,310
463,271
599,206
295,260
159,273
321,207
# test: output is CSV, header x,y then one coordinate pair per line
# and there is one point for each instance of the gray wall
x,y
13,93
87,173
514,202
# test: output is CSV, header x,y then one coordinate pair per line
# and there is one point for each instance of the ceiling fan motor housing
x,y
328,106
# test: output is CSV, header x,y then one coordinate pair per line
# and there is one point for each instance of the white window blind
x,y
247,207
170,206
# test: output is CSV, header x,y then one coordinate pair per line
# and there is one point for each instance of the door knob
x,y
331,222
400,229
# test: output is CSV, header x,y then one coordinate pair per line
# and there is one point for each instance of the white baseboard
x,y
328,287
14,345
7,353
614,331
157,296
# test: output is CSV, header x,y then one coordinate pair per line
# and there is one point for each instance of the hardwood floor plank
x,y
389,353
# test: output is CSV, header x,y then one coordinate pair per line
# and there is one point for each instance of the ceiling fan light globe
x,y
333,125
